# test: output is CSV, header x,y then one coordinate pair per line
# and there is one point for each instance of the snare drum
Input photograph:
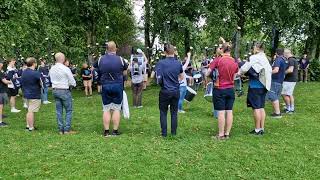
x,y
190,94
208,93
197,78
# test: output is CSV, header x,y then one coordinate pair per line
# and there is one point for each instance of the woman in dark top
x,y
86,75
303,68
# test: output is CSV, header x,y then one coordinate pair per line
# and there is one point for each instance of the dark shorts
x,y
3,98
12,92
275,92
256,98
223,99
112,94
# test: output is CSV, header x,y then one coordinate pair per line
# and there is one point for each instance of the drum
x,y
197,78
208,93
190,94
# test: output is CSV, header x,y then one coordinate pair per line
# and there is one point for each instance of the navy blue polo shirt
x,y
281,63
169,70
31,84
111,69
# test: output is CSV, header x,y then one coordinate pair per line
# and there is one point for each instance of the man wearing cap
x,y
3,92
169,71
112,69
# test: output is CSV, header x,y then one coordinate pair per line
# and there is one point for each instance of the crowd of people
x,y
109,72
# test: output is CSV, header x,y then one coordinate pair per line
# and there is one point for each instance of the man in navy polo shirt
x,y
31,85
112,69
169,72
278,74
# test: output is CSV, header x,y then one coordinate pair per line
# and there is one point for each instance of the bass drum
x,y
190,94
208,93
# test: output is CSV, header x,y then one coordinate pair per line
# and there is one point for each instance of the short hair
x,y
60,57
111,46
259,45
280,51
30,61
287,51
170,49
12,59
226,47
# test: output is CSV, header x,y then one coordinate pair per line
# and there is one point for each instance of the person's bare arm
x,y
290,70
184,67
6,81
275,70
181,76
145,58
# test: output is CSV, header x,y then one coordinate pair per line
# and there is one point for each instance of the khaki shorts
x,y
33,105
87,83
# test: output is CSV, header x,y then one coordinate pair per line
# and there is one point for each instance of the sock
x,y
258,130
292,107
288,107
31,128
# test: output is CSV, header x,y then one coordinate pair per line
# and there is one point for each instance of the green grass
x,y
288,150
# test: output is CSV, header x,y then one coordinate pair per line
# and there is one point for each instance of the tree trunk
x,y
147,43
186,41
275,41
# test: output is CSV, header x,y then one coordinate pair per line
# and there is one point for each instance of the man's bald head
x,y
60,58
112,47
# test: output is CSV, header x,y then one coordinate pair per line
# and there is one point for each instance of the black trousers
x,y
167,98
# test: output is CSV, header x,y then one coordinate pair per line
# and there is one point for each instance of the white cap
x,y
139,51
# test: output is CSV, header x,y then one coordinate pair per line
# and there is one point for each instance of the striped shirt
x,y
61,77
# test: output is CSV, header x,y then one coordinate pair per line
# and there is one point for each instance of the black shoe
x,y
106,133
116,133
4,116
3,124
252,132
163,135
261,132
227,136
276,116
33,128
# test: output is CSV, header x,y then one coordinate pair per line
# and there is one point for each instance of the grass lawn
x,y
290,149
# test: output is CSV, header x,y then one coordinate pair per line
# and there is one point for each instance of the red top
x,y
227,68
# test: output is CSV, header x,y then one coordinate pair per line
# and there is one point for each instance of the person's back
x,y
279,62
292,77
59,76
31,84
111,69
170,69
227,68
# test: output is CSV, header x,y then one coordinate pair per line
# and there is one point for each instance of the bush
x,y
315,70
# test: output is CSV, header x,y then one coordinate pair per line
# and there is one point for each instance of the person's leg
x,y
229,122
134,94
221,122
139,94
116,115
45,94
174,112
106,120
257,115
90,87
85,84
59,111
163,107
1,111
306,75
292,108
181,98
13,102
276,107
67,103
262,118
287,101
30,120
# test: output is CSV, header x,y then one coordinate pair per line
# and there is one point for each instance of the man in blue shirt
x,y
112,69
31,85
278,74
169,72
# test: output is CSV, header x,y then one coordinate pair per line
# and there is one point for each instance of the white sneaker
x,y
14,110
46,102
25,106
181,111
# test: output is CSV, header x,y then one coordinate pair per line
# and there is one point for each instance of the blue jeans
x,y
63,100
44,94
183,92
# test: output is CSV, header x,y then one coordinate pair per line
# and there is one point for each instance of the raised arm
x,y
184,67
